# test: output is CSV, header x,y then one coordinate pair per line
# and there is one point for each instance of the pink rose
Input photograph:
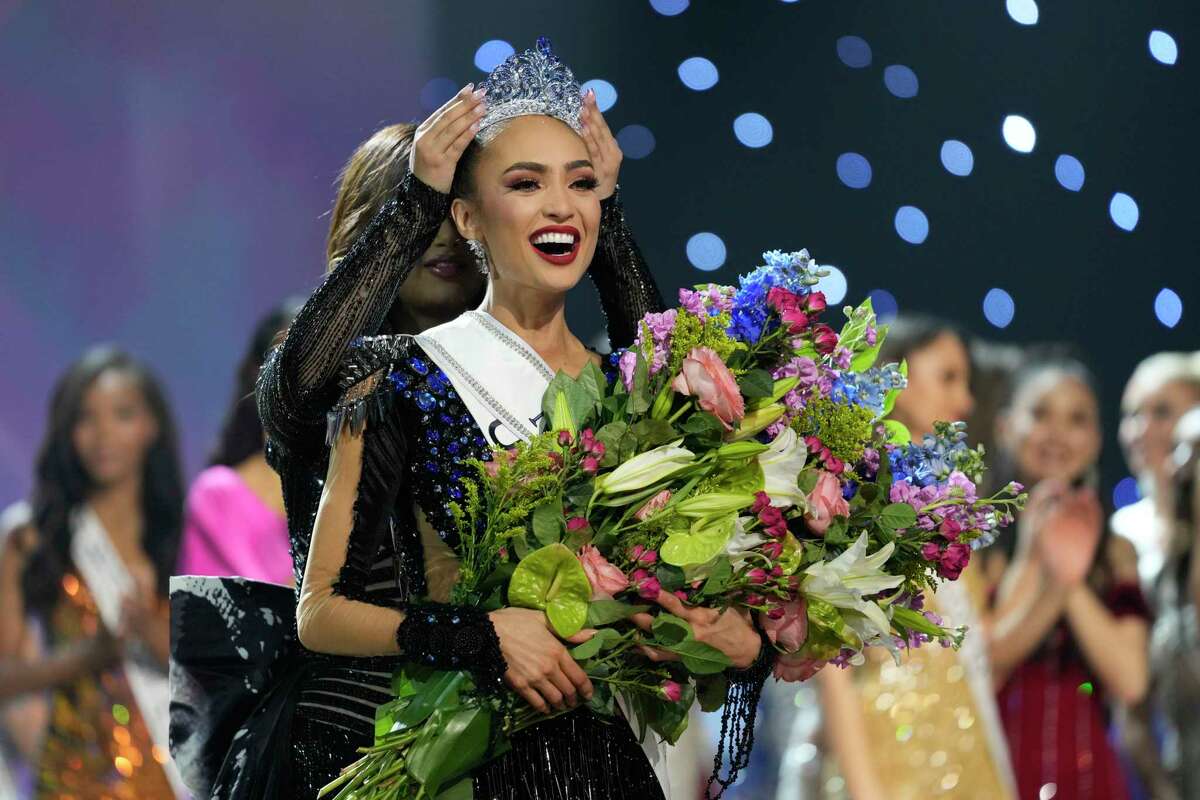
x,y
653,505
589,464
670,690
606,580
954,560
824,338
814,303
795,320
577,524
790,630
795,668
825,503
648,588
758,575
706,377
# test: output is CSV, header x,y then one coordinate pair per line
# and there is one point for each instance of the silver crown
x,y
532,82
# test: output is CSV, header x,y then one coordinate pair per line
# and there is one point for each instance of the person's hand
x,y
539,667
603,150
1067,533
441,139
102,651
730,631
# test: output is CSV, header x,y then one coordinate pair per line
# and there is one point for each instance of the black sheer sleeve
x,y
622,278
298,382
342,610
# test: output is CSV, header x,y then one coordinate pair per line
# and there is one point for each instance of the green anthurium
x,y
551,579
700,542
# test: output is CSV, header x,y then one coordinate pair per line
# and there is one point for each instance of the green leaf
x,y
548,521
670,630
897,433
605,612
706,428
441,690
618,442
837,532
897,516
700,658
602,701
711,690
551,579
916,621
757,383
808,479
744,479
672,718
451,744
578,494
653,432
721,573
463,790
639,396
701,542
669,577
601,640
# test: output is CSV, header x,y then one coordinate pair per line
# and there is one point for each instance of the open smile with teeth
x,y
558,246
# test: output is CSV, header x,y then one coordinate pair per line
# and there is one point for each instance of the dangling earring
x,y
480,252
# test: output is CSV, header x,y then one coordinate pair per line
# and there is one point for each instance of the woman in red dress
x,y
1070,635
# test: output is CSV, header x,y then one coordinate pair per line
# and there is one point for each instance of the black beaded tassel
x,y
737,720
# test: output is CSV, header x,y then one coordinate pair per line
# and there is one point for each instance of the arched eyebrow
x,y
533,166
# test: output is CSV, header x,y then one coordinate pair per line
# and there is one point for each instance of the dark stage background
x,y
165,169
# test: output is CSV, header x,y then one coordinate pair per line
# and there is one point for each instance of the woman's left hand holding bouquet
x,y
729,631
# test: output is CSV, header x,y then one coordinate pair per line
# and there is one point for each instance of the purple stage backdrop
x,y
165,174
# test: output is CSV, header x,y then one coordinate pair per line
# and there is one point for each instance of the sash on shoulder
x,y
103,572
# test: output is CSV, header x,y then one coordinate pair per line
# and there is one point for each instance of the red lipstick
x,y
557,244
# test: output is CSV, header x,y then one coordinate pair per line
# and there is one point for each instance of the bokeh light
x,y
884,303
1163,47
706,251
832,285
1126,492
753,130
911,224
853,51
900,81
1124,211
492,53
957,158
1069,172
669,8
1019,133
606,93
999,308
854,170
698,73
1168,307
636,141
1024,12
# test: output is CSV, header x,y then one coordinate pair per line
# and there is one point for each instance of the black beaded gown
x,y
257,715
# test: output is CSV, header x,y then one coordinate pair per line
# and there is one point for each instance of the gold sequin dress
x,y
97,746
932,725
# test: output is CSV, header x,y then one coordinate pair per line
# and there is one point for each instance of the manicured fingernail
x,y
468,87
479,93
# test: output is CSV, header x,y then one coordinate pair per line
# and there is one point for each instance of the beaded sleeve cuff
x,y
453,637
738,717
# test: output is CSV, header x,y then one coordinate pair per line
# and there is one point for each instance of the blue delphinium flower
x,y
795,272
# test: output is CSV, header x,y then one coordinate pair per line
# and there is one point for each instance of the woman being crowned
x,y
370,435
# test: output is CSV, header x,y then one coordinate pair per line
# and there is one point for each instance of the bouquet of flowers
x,y
737,456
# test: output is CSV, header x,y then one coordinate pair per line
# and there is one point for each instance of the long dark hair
x,y
1060,360
62,484
909,333
241,433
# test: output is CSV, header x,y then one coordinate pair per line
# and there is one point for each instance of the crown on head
x,y
532,82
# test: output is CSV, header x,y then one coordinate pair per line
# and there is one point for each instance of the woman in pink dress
x,y
234,522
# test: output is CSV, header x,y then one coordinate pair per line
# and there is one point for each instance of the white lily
x,y
781,465
646,469
852,576
741,542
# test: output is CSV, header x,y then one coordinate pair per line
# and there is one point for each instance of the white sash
x,y
501,380
102,571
